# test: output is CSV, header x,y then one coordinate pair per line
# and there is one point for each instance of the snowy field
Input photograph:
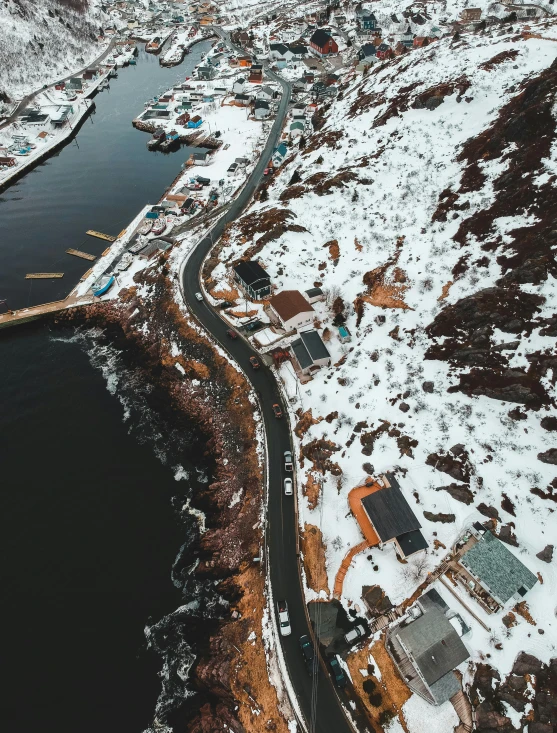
x,y
388,170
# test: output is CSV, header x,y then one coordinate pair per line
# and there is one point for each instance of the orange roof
x,y
355,500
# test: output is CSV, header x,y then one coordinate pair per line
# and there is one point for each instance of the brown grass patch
x,y
313,550
305,421
522,610
394,692
499,59
334,249
445,290
311,490
256,697
242,314
224,293
387,283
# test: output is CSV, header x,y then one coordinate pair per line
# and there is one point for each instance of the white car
x,y
288,487
288,460
284,618
199,296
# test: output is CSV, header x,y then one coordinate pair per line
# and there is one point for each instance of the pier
x,y
24,315
100,235
79,253
44,275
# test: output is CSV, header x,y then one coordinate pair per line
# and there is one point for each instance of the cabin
x,y
241,100
291,311
310,353
384,52
279,154
296,129
256,74
252,279
201,158
244,61
427,647
239,86
368,22
261,109
471,14
489,571
206,72
322,44
278,51
385,517
407,38
420,41
314,295
265,93
75,84
368,53
195,122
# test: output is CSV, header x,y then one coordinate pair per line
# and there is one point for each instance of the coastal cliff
x,y
228,683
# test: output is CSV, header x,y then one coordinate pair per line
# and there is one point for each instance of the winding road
x,y
317,698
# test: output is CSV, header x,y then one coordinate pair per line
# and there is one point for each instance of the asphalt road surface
x,y
319,703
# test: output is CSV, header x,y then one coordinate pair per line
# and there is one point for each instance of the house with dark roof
x,y
253,279
322,44
310,352
392,518
427,647
291,310
261,109
313,295
489,570
368,53
277,50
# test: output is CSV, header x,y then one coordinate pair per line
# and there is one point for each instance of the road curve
x,y
319,703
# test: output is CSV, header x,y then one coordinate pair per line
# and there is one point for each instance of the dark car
x,y
308,652
225,304
338,673
254,362
231,334
253,326
277,410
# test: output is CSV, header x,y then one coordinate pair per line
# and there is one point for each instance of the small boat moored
x,y
103,285
147,226
159,226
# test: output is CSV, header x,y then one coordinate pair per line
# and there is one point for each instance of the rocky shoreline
x,y
228,683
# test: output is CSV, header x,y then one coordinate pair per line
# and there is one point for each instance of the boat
x,y
112,74
133,62
125,262
170,221
147,226
172,141
103,285
159,225
141,243
70,95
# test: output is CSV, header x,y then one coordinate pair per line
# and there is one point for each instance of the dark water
x,y
99,181
90,520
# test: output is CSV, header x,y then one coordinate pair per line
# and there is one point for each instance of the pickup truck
x,y
288,461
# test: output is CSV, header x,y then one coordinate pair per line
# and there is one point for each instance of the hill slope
x,y
423,205
44,41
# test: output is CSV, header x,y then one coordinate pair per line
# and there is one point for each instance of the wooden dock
x,y
100,235
79,253
44,275
24,315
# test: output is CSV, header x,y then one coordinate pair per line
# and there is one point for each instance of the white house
x,y
240,85
262,109
291,310
265,93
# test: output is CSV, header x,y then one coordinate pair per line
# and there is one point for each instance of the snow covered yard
x,y
368,215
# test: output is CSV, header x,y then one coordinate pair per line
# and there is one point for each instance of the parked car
x,y
284,618
308,652
356,633
288,460
253,326
225,304
232,334
199,296
254,362
277,410
288,487
338,673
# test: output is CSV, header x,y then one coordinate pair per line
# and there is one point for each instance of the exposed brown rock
x,y
439,517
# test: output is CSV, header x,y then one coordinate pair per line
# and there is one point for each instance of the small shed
x,y
314,295
310,352
195,122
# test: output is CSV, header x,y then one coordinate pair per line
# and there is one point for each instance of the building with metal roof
x,y
253,279
426,650
497,569
310,352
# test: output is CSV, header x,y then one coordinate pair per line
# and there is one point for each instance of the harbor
x,y
75,190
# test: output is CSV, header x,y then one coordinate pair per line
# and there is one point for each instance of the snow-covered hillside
x,y
44,41
424,205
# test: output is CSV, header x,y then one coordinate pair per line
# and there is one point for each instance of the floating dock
x,y
79,253
100,235
44,275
